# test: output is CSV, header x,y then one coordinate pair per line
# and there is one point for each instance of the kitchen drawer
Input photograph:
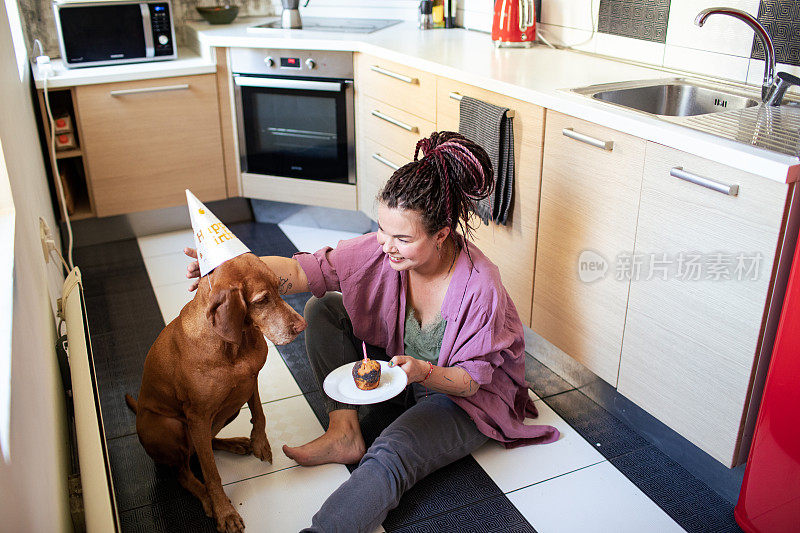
x,y
376,165
690,344
400,86
147,141
393,127
589,204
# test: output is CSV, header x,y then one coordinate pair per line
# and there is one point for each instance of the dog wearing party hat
x,y
204,365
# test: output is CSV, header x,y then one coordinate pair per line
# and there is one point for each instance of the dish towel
x,y
488,125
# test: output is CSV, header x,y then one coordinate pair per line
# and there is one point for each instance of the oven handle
x,y
280,83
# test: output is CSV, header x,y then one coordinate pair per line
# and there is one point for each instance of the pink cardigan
x,y
484,334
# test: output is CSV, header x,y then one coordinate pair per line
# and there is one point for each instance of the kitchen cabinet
x,y
146,141
694,315
591,181
511,247
395,108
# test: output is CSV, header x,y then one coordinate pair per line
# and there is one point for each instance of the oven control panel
x,y
295,63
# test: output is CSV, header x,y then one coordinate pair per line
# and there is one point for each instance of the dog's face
x,y
245,291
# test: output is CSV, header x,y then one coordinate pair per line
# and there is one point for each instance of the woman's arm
x,y
291,277
450,379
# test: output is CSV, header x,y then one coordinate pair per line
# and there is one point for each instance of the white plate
x,y
340,385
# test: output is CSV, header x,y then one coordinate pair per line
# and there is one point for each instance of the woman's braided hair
x,y
444,186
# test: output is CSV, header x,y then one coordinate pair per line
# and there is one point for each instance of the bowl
x,y
218,14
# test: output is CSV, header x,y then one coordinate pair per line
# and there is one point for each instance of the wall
x,y
33,484
722,48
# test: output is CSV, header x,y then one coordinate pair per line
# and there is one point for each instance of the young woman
x,y
426,295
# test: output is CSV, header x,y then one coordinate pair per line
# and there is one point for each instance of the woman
x,y
422,292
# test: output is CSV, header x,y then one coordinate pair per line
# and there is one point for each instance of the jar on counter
x,y
425,14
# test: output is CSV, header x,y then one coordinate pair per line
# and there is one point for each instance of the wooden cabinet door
x,y
376,163
587,219
693,327
400,86
512,247
146,141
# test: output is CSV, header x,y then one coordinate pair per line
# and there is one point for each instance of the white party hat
x,y
214,241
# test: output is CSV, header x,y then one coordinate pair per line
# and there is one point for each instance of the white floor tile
x,y
275,382
570,452
594,499
308,239
289,421
166,243
172,298
167,269
285,500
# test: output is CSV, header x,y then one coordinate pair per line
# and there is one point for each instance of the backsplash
x,y
782,20
640,19
657,32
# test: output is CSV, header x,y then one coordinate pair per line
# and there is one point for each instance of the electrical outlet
x,y
46,236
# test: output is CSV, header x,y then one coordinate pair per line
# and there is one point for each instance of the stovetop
x,y
347,25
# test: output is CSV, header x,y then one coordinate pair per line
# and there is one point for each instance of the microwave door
x,y
92,34
147,26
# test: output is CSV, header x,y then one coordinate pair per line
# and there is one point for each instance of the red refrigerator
x,y
769,501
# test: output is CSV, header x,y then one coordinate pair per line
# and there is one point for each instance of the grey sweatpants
x,y
429,435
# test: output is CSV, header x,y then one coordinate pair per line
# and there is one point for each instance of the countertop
x,y
538,75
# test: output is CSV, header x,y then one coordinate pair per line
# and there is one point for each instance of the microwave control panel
x,y
162,28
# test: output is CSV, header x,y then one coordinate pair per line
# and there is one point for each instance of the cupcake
x,y
367,374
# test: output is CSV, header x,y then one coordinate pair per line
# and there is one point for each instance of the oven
x,y
295,114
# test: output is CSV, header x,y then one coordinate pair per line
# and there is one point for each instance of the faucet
x,y
773,87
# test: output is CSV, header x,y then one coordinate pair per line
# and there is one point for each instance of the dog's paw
x,y
229,521
261,447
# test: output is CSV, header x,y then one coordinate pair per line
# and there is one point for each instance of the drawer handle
x,y
678,172
387,118
379,157
597,143
122,92
458,96
395,75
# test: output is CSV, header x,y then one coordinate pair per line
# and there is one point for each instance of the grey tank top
x,y
423,342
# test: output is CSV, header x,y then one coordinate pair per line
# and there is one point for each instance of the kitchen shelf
x,y
76,152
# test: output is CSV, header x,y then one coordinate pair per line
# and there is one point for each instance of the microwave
x,y
95,33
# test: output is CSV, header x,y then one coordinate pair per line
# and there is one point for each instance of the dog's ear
x,y
226,311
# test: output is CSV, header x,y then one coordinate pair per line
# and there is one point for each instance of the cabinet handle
x,y
387,118
603,145
379,157
122,92
395,75
458,96
730,190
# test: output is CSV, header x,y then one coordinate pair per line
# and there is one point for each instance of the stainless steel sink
x,y
730,112
669,98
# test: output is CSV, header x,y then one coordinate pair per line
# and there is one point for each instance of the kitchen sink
x,y
669,98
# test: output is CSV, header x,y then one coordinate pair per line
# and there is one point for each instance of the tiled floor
x,y
614,482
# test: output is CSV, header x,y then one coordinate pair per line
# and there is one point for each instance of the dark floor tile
x,y
133,309
446,492
138,480
605,432
689,501
185,514
107,257
496,514
543,381
264,239
723,480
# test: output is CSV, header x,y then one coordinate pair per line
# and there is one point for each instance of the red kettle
x,y
514,23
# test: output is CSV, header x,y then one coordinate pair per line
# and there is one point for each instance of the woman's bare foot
x,y
342,443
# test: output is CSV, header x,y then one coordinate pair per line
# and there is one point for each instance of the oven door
x,y
296,128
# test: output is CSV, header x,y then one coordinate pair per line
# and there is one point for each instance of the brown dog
x,y
203,367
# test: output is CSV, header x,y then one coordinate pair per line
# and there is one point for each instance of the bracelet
x,y
429,372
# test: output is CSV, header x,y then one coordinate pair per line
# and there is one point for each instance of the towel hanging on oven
x,y
489,126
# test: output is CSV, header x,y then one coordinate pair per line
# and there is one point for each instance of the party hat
x,y
214,241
